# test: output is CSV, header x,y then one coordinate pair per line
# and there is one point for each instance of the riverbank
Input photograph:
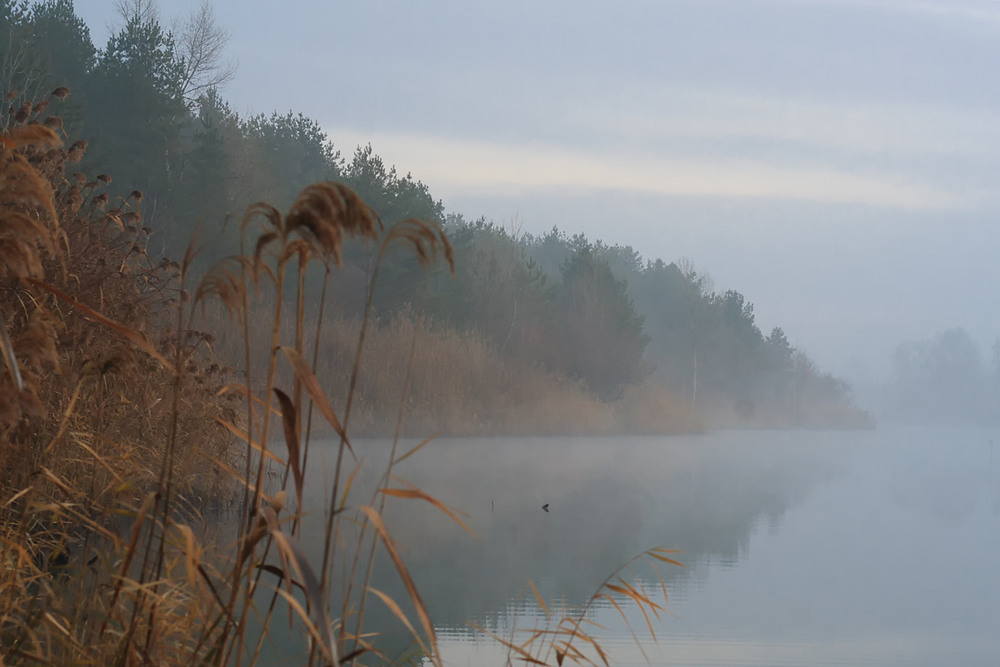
x,y
458,383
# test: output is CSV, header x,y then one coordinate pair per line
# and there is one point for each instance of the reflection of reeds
x,y
571,636
118,427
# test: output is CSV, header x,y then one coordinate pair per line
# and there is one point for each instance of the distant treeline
x,y
943,379
607,317
602,317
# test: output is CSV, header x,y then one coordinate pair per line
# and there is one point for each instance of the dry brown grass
x,y
462,384
116,424
459,383
101,403
73,272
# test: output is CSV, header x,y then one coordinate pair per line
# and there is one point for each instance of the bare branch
x,y
201,42
144,10
21,77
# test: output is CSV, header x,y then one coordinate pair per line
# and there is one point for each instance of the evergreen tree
x,y
136,110
604,338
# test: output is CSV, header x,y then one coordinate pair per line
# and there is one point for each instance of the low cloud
x,y
867,129
457,167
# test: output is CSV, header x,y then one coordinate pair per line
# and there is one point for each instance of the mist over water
x,y
806,548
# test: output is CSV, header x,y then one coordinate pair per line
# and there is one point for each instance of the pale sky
x,y
836,161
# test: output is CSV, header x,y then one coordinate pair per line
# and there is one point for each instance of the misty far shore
x,y
462,384
580,334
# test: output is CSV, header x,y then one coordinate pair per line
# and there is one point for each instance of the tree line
x,y
943,379
149,103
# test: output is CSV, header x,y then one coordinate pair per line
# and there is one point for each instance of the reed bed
x,y
461,384
119,430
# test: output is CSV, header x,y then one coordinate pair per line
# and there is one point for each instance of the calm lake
x,y
800,548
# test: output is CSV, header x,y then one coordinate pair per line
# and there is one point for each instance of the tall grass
x,y
463,385
119,428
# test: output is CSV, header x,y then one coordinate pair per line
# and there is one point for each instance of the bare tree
x,y
704,281
143,10
200,43
21,76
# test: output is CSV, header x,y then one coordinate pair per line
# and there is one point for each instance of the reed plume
x,y
118,428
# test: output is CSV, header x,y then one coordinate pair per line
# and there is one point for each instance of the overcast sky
x,y
836,161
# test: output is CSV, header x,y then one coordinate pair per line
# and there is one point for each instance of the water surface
x,y
800,548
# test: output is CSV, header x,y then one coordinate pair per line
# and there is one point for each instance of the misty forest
x,y
573,321
205,312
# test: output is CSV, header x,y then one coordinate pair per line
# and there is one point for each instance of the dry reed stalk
x,y
315,226
81,420
113,407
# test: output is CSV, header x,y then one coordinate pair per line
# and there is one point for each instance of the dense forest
x,y
619,341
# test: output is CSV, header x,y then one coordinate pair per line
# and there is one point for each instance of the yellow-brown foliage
x,y
77,291
460,383
96,388
114,422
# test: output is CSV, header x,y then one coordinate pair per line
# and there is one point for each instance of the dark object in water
x,y
545,507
